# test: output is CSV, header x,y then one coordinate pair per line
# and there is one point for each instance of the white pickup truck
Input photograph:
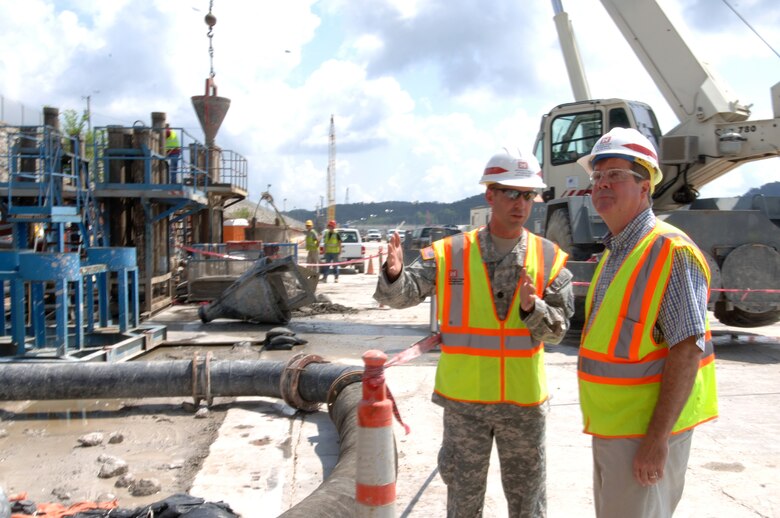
x,y
351,248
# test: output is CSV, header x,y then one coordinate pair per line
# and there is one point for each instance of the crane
x,y
739,236
332,171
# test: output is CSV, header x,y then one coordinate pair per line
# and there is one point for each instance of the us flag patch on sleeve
x,y
427,253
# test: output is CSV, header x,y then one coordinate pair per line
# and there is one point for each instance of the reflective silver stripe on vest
x,y
488,343
456,301
634,308
606,369
548,254
633,311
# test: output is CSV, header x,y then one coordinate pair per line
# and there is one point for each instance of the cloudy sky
x,y
423,91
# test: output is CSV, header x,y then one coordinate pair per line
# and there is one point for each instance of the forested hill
x,y
392,213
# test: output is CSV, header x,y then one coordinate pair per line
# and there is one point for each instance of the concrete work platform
x,y
267,457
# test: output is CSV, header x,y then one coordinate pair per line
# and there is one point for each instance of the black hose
x,y
336,495
316,383
45,381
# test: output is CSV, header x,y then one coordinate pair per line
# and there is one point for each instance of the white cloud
x,y
423,91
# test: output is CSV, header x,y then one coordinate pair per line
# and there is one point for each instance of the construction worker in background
x,y
312,245
646,367
502,291
332,246
172,150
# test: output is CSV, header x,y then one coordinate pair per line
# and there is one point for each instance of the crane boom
x,y
571,53
688,86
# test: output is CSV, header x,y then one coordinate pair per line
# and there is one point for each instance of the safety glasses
x,y
613,176
513,194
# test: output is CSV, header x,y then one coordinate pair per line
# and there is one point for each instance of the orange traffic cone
x,y
370,270
376,477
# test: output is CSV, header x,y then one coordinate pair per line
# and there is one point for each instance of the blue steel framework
x,y
56,202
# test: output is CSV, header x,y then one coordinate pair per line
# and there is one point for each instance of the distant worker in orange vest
x,y
312,245
501,292
646,367
172,150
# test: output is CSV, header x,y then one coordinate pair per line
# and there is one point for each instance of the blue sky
x,y
423,91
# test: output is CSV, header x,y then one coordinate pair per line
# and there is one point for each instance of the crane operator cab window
x,y
646,123
574,135
618,118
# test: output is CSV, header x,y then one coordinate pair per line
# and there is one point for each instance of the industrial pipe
x,y
336,495
304,382
198,378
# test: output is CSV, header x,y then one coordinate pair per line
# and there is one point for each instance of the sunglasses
x,y
513,194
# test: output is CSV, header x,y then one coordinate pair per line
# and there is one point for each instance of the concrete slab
x,y
734,460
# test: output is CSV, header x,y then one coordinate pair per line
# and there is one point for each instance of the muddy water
x,y
41,454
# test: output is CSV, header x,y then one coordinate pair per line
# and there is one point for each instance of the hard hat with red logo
x,y
513,171
629,144
331,224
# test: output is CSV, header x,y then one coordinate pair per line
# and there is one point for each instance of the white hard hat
x,y
512,171
626,143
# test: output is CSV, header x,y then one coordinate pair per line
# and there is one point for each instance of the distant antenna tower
x,y
332,172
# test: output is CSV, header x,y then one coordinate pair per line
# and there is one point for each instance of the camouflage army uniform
x,y
469,428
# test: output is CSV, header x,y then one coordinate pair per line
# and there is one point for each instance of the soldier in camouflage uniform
x,y
471,425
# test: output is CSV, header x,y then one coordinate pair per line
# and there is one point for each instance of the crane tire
x,y
739,318
559,231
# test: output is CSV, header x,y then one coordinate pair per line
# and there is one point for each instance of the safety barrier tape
x,y
212,254
238,258
745,292
351,261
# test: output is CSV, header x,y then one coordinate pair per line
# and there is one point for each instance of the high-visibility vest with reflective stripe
x,y
311,241
172,141
332,242
620,364
485,359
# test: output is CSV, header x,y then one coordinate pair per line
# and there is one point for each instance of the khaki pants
x,y
617,494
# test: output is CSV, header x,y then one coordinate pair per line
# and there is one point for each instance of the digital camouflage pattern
x,y
464,458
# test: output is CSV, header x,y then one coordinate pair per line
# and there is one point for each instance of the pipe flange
x,y
288,384
339,384
207,392
197,396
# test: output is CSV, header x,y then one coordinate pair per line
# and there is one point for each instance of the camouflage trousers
x,y
519,433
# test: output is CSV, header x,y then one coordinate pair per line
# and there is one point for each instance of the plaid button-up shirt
x,y
684,304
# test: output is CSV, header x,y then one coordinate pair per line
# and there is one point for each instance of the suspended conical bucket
x,y
211,111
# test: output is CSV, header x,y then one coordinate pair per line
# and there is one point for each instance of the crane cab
x,y
567,133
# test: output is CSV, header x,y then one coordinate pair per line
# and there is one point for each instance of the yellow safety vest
x,y
311,241
172,142
485,359
332,242
620,364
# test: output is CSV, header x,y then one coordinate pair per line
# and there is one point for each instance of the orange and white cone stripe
x,y
375,478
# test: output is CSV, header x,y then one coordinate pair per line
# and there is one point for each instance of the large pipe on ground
x,y
336,495
304,382
199,377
